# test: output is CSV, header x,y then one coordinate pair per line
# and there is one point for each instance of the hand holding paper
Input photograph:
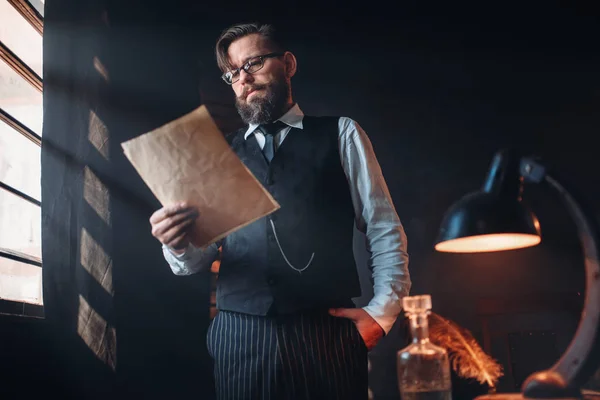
x,y
189,160
172,226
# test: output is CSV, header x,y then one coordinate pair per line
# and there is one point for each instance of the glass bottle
x,y
423,368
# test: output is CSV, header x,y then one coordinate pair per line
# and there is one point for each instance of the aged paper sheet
x,y
188,159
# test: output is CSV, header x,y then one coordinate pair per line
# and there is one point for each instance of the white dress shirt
x,y
375,216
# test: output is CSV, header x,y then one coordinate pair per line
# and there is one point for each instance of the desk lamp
x,y
495,219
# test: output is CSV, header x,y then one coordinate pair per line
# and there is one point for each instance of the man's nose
x,y
245,77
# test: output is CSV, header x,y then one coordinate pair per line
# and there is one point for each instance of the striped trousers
x,y
301,356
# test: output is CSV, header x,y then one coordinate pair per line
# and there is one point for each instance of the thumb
x,y
343,312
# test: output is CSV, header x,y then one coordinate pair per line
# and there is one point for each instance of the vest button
x,y
271,281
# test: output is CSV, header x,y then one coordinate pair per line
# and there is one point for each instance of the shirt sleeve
x,y
192,260
376,217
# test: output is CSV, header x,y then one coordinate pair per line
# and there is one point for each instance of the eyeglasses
x,y
251,66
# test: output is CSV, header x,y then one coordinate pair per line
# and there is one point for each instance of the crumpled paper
x,y
189,160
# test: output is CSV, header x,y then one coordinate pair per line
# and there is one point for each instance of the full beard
x,y
264,109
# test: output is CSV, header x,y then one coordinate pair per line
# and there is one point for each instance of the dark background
x,y
438,89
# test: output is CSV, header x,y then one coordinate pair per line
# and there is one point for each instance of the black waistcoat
x,y
316,217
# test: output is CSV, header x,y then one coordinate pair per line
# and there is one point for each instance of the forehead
x,y
246,47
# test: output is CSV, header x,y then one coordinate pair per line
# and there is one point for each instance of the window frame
x,y
35,19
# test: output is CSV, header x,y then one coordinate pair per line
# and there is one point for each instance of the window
x,y
21,30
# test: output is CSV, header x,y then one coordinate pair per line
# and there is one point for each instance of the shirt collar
x,y
292,118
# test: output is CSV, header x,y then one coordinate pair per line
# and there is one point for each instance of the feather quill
x,y
467,358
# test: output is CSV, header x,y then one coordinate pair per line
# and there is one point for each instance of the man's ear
x,y
290,64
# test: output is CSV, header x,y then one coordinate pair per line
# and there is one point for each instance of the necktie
x,y
270,130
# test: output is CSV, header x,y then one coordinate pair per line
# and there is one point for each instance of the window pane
x,y
20,282
19,162
18,35
20,225
38,5
20,99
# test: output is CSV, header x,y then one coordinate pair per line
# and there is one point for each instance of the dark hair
x,y
236,32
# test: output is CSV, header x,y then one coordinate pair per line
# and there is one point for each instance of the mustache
x,y
248,89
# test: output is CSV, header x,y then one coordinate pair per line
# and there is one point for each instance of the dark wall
x,y
25,358
121,323
438,90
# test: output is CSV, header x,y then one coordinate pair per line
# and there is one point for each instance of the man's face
x,y
262,96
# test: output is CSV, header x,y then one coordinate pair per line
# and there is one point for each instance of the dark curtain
x,y
123,324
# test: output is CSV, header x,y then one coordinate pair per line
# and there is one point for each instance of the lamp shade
x,y
481,222
493,218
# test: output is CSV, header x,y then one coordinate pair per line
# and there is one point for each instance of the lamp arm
x,y
582,358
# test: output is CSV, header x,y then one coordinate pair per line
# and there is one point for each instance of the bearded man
x,y
287,327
